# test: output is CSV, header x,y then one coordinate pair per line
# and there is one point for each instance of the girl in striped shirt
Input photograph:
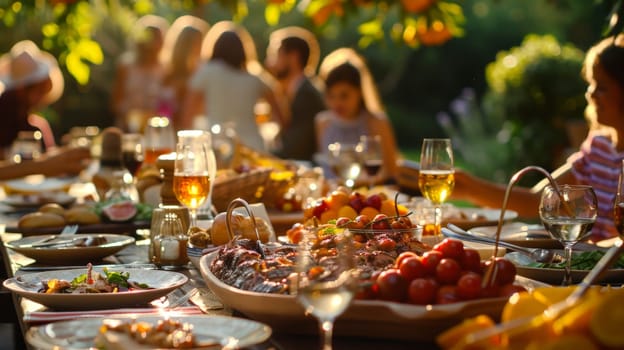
x,y
599,159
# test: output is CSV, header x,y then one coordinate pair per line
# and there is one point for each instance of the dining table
x,y
29,313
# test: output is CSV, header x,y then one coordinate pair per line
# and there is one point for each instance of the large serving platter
x,y
479,217
230,332
522,234
555,276
162,282
64,254
366,318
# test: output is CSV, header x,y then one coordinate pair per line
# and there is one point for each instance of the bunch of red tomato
x,y
446,274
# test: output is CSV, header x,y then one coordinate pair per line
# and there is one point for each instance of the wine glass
x,y
371,155
159,139
268,128
345,162
568,217
436,177
325,282
132,152
194,170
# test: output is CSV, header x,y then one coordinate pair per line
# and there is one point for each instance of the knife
x,y
145,266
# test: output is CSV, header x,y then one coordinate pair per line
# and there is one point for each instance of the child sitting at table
x,y
597,163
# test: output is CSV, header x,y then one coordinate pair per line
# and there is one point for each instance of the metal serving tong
x,y
239,202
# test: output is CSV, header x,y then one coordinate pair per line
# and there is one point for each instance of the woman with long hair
x,y
224,89
354,108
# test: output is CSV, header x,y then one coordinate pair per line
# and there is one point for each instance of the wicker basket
x,y
245,186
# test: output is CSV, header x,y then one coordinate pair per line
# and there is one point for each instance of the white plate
x,y
79,334
370,318
555,276
163,283
36,200
521,234
38,184
69,254
479,217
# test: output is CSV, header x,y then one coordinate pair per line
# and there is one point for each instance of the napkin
x,y
53,316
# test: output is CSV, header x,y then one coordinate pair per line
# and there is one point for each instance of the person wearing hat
x,y
29,80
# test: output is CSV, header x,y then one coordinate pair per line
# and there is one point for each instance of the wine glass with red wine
x,y
371,155
618,205
132,152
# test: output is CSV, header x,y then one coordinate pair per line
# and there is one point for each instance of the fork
x,y
69,230
183,299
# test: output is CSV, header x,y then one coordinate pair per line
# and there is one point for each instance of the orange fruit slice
x,y
453,337
565,342
522,305
608,318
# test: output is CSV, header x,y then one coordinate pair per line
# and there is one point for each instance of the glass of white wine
x,y
194,170
345,162
436,178
569,217
326,279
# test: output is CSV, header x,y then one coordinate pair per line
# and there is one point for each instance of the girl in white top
x,y
223,87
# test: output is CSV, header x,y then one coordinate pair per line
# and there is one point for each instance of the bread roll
x,y
81,216
38,220
53,208
241,226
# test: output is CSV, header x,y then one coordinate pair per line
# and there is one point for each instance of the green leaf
x,y
272,14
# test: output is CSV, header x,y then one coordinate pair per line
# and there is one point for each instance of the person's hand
x,y
65,161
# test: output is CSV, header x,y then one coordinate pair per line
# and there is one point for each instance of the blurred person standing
x,y
292,57
139,73
181,56
354,108
224,89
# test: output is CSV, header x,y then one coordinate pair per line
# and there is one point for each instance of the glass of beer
x,y
194,170
159,138
436,178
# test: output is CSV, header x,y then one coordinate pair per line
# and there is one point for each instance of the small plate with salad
x,y
91,289
582,263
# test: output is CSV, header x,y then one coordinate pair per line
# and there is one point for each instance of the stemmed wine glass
x,y
326,282
345,162
194,170
371,155
569,218
436,178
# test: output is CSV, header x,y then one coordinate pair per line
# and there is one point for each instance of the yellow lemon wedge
x,y
522,305
608,318
451,338
566,342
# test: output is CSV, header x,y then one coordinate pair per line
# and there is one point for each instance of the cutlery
x,y
146,266
67,230
52,243
536,254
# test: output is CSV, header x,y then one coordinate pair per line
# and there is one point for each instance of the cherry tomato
x,y
451,248
448,271
403,256
469,286
423,291
471,260
505,271
510,289
412,268
343,221
430,260
380,222
447,294
386,244
489,291
392,286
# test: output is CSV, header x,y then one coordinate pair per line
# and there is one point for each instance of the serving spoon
x,y
536,254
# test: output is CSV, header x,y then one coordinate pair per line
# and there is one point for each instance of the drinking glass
x,y
27,146
194,170
267,128
569,218
436,177
132,152
371,155
345,162
325,279
618,204
159,138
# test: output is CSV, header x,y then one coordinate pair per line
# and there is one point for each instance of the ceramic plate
x,y
473,217
34,201
64,254
518,233
370,318
163,283
38,184
555,276
231,332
